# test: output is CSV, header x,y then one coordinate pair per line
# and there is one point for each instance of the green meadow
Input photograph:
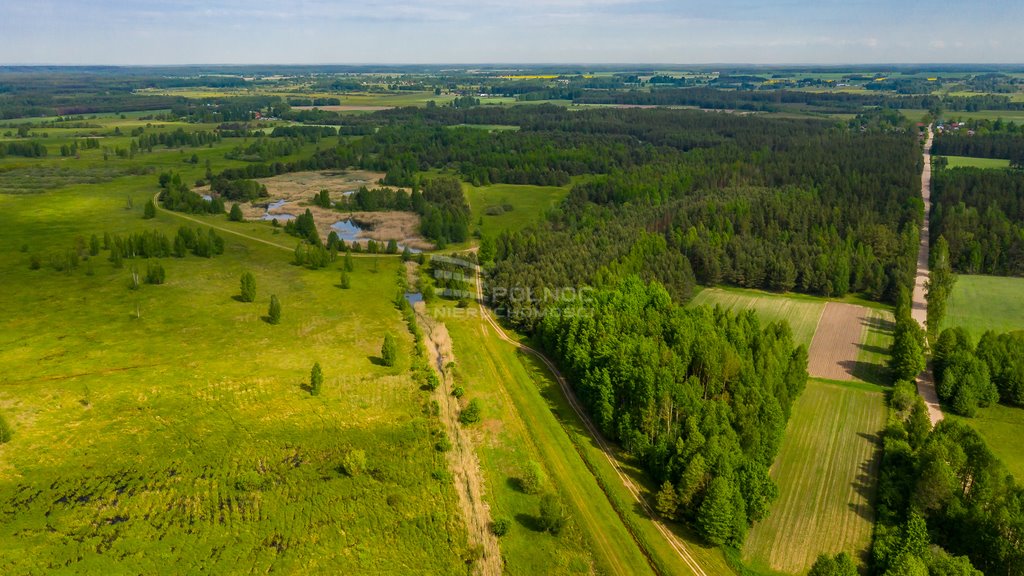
x,y
980,303
171,424
508,207
968,162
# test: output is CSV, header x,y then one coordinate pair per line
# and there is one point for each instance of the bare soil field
x,y
835,349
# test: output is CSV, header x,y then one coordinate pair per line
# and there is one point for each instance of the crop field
x,y
826,471
968,162
501,207
171,424
873,357
801,312
981,303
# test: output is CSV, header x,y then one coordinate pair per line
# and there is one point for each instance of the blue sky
x,y
499,31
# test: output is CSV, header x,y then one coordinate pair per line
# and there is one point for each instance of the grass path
x,y
676,545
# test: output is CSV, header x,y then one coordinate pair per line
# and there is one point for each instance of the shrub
x,y
500,526
533,480
471,413
353,462
155,273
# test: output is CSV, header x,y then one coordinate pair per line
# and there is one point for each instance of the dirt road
x,y
919,303
465,468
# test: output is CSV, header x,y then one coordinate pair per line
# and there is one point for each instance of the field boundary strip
x,y
602,444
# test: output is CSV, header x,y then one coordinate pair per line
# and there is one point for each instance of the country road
x,y
570,396
919,303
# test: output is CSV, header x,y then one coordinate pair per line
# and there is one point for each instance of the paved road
x,y
919,305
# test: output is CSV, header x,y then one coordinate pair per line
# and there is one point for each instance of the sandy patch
x,y
298,188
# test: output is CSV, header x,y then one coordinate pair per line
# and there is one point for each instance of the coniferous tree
x,y
349,263
667,500
236,213
316,379
5,430
389,351
274,311
247,292
150,210
346,282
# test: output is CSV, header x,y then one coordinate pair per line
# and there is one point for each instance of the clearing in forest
x,y
825,469
801,312
980,303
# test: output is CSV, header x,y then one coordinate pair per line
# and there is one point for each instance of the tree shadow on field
x,y
237,298
863,484
306,387
529,522
266,319
376,360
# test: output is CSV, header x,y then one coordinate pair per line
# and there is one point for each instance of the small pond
x,y
413,297
279,217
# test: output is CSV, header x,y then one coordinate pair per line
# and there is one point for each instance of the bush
x,y
443,444
353,462
346,282
236,213
459,392
552,514
501,526
471,413
155,273
534,479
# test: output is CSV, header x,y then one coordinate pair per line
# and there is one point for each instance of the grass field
x,y
517,429
801,312
1001,426
825,471
981,303
169,425
968,162
527,203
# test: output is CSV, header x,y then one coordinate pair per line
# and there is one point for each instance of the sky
x,y
143,32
